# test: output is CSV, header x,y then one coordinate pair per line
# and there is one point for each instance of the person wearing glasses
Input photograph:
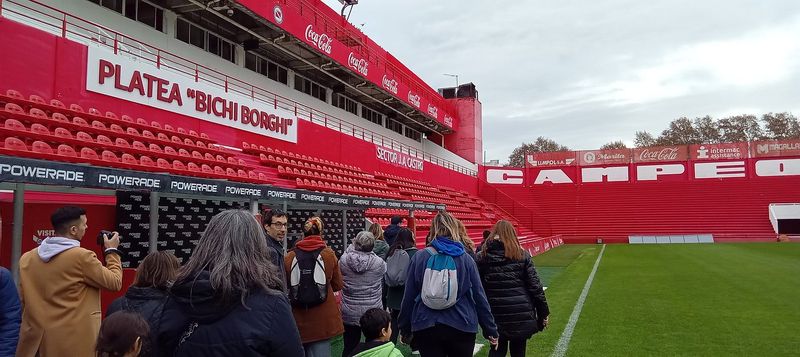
x,y
275,224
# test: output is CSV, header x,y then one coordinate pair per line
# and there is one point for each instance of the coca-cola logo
x,y
448,120
321,40
433,111
414,99
389,84
359,64
665,154
277,13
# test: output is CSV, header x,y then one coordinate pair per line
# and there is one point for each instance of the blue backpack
x,y
440,282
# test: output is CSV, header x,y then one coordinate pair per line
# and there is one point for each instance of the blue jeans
x,y
318,348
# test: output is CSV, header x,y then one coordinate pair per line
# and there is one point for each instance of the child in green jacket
x,y
376,327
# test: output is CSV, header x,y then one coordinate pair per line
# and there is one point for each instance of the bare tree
x,y
707,130
740,128
542,144
618,144
780,126
643,139
680,132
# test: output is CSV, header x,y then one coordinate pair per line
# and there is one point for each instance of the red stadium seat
x,y
41,147
60,117
204,136
206,169
39,129
220,158
182,131
109,156
132,131
155,124
84,137
148,134
168,127
146,161
66,150
201,144
208,157
138,145
163,164
57,103
94,111
76,108
229,171
176,140
192,167
36,99
177,165
38,113
169,150
14,94
14,108
16,125
79,121
162,136
197,155
63,133
232,160
245,145
98,125
242,173
193,133
129,159
111,115
102,139
88,153
184,153
117,129
127,118
141,121
188,141
299,181
155,148
122,143
262,176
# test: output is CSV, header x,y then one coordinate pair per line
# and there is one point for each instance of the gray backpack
x,y
397,268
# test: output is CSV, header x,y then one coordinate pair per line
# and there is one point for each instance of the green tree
x,y
542,144
739,128
707,130
643,139
680,132
780,126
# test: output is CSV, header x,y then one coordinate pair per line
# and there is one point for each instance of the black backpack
x,y
308,285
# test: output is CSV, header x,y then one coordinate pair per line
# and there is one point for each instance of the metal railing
x,y
68,26
525,215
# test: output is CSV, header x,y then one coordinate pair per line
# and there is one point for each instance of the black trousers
x,y
352,336
443,340
517,348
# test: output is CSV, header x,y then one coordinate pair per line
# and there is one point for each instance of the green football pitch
x,y
671,300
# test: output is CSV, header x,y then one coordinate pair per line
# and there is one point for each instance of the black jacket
x,y
263,327
514,292
148,302
276,255
390,233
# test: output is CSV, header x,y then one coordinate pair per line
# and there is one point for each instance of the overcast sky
x,y
588,72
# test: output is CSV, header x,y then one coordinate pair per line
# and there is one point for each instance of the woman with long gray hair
x,y
227,300
362,271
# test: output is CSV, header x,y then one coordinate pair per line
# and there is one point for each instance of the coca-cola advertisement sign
x,y
561,158
433,111
660,154
604,157
359,64
448,120
389,84
414,99
730,151
321,40
775,148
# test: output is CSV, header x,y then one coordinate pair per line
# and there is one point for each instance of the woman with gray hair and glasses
x,y
228,299
362,271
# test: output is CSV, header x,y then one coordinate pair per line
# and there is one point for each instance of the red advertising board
x,y
775,148
661,154
604,157
324,31
561,158
726,151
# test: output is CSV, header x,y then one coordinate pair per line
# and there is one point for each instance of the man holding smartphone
x,y
60,286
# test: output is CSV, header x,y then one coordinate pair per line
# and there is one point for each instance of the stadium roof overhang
x,y
242,25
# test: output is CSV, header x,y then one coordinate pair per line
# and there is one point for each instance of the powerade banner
x,y
397,158
14,169
143,83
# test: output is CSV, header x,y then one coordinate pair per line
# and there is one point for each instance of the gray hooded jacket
x,y
362,273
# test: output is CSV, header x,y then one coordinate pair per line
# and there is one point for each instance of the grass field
x,y
673,300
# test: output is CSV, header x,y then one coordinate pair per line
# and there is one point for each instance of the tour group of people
x,y
242,294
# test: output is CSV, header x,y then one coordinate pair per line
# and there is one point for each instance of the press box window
x,y
200,37
345,103
137,10
308,87
267,68
394,126
413,134
371,115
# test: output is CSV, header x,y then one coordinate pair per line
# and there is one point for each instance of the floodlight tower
x,y
345,4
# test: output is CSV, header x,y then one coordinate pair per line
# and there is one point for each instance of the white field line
x,y
566,336
477,348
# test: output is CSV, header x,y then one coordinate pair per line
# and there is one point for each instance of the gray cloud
x,y
585,73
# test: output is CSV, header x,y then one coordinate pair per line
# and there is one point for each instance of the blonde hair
x,y
443,225
376,230
464,238
504,232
